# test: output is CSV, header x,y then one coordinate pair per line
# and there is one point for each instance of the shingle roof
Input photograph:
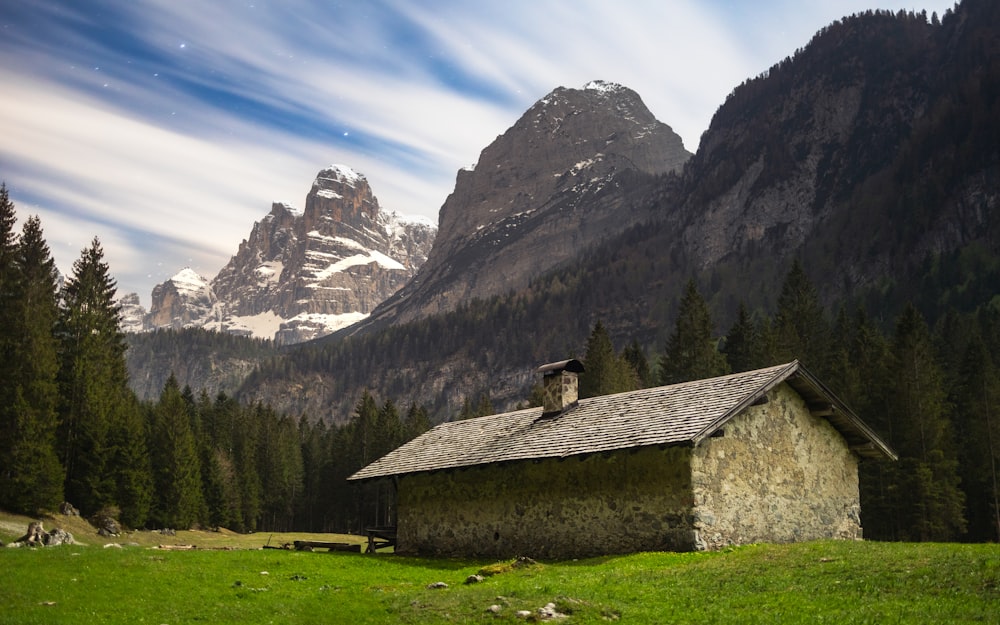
x,y
666,415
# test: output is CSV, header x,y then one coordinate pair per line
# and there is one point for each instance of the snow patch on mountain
x,y
603,86
342,174
189,282
262,325
270,272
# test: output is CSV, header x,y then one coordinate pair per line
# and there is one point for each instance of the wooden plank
x,y
309,545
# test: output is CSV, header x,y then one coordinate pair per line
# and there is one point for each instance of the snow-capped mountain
x,y
305,273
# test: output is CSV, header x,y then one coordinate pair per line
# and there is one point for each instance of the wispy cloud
x,y
167,128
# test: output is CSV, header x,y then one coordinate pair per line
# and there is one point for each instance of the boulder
x,y
38,537
67,509
106,524
57,537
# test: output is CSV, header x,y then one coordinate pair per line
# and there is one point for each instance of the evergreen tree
x,y
864,388
801,329
605,372
31,479
467,411
742,346
362,449
416,422
389,429
93,380
176,469
363,431
978,431
636,358
691,353
485,405
341,512
315,466
389,435
246,437
8,394
280,468
929,501
129,463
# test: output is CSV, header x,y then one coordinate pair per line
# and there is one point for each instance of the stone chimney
x,y
561,389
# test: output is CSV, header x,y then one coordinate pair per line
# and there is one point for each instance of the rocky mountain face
x,y
870,155
863,154
302,274
554,184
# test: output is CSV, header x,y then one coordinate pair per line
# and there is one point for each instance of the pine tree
x,y
280,468
605,372
691,353
416,422
636,358
93,379
32,477
929,501
315,466
176,469
866,387
8,395
246,437
742,346
977,427
362,449
363,430
341,511
129,463
801,329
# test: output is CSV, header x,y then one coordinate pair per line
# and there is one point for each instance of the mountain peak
x,y
341,174
558,169
188,279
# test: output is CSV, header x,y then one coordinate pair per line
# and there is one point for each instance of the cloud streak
x,y
167,128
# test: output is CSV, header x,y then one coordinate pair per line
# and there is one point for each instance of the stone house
x,y
762,456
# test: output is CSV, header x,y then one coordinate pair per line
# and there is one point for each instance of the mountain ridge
x,y
554,171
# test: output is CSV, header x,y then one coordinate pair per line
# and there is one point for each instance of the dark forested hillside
x,y
211,361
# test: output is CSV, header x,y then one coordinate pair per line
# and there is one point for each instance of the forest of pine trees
x,y
72,430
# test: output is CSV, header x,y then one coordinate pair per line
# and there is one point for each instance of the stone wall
x,y
778,474
622,502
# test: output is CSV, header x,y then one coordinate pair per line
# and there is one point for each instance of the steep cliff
x,y
555,183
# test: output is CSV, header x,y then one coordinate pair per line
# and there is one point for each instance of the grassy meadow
x,y
816,582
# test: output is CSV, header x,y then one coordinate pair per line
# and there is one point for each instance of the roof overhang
x,y
822,403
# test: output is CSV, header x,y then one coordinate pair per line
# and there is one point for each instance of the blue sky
x,y
166,128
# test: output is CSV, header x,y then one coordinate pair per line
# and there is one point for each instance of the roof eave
x,y
749,400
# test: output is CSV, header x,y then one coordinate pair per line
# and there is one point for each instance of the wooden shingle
x,y
678,414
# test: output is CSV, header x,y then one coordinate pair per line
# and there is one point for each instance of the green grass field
x,y
817,582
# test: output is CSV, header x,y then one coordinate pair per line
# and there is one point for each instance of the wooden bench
x,y
309,545
379,537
